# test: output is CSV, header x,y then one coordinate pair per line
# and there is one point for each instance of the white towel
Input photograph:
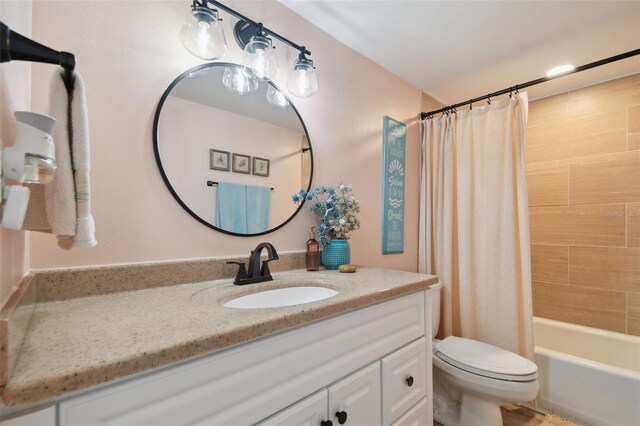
x,y
67,197
60,192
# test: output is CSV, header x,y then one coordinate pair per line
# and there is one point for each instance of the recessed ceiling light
x,y
560,70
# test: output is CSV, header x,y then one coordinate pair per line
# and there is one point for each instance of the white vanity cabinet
x,y
381,393
404,380
357,362
43,417
419,415
311,411
354,400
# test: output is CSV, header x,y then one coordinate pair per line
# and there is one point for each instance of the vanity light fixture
x,y
202,33
561,69
260,56
276,98
239,81
303,80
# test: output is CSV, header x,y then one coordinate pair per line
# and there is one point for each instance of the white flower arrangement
x,y
335,207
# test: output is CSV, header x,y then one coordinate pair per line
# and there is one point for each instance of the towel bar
x,y
16,47
211,183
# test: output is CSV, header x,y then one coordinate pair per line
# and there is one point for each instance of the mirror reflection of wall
x,y
306,162
270,145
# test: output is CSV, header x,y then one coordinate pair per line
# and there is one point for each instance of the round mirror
x,y
232,149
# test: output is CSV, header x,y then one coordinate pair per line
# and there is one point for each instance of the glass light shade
x,y
303,79
260,58
276,98
202,34
38,169
238,81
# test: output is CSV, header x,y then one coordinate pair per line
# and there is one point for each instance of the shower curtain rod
x,y
515,88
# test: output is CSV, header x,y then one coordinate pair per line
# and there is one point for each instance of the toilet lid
x,y
484,359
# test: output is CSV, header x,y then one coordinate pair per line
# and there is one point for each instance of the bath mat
x,y
553,419
514,415
519,415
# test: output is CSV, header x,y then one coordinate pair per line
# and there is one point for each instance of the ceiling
x,y
205,87
457,50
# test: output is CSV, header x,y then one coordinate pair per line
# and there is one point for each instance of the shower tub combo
x,y
586,373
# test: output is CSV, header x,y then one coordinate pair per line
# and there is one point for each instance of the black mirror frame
x,y
156,150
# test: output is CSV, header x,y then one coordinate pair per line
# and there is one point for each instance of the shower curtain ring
x,y
470,105
489,100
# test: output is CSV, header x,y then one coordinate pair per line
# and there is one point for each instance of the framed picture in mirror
x,y
219,160
260,166
241,163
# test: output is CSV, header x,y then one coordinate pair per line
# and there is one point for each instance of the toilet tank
x,y
435,308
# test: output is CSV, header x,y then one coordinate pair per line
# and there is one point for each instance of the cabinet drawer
x,y
417,416
403,380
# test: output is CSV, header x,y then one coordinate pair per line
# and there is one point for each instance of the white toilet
x,y
471,378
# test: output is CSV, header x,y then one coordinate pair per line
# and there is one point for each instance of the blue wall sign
x,y
393,186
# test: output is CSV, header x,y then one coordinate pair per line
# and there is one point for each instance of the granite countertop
x,y
77,343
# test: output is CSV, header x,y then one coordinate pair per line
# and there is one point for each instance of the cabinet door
x,y
403,380
357,395
311,411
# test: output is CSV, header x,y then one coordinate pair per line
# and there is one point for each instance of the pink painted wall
x,y
15,95
189,129
128,52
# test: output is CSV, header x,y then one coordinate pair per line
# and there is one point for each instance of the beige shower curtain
x,y
474,223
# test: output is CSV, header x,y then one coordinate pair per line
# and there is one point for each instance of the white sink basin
x,y
279,297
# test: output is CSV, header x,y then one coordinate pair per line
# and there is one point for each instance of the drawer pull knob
x,y
342,417
326,423
410,381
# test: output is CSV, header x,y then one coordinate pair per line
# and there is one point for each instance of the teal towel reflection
x,y
243,209
258,198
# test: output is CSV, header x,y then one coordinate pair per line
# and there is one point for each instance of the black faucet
x,y
256,273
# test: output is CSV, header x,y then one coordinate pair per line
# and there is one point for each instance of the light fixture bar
x,y
254,23
595,64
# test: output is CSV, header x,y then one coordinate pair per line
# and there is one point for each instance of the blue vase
x,y
336,253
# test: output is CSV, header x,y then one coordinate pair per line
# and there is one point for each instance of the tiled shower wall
x,y
583,171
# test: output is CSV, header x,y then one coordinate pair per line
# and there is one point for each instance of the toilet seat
x,y
485,360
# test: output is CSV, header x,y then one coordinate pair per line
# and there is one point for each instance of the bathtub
x,y
588,374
